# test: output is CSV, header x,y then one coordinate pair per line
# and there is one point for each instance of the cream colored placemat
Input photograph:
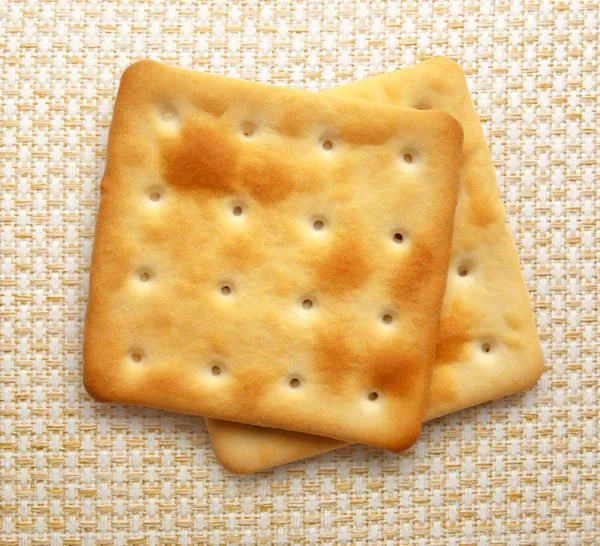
x,y
519,471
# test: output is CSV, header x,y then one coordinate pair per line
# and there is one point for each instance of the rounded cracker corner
x,y
239,466
407,440
93,384
535,370
234,466
139,67
448,67
137,70
227,452
92,388
451,127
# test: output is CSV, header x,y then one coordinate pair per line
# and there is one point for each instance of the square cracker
x,y
488,345
270,255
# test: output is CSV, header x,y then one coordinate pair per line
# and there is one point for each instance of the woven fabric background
x,y
519,471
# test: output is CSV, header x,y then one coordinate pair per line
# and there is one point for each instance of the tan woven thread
x,y
519,471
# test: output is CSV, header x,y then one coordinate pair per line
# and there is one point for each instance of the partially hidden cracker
x,y
270,256
488,345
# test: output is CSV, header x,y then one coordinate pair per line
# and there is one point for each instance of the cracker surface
x,y
270,256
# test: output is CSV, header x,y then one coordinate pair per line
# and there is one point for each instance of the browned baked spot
x,y
158,386
459,319
442,389
346,266
397,369
250,385
334,358
357,130
482,209
416,279
102,352
268,177
201,158
98,386
215,104
117,253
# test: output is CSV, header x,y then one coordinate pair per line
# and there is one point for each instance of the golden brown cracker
x,y
247,236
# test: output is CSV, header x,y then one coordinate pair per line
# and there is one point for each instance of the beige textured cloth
x,y
519,471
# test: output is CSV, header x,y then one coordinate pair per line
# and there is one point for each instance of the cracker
x,y
488,345
270,255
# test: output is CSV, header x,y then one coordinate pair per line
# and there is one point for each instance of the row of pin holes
x,y
318,225
294,382
248,131
307,303
237,210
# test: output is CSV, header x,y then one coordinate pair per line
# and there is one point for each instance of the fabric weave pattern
x,y
521,471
